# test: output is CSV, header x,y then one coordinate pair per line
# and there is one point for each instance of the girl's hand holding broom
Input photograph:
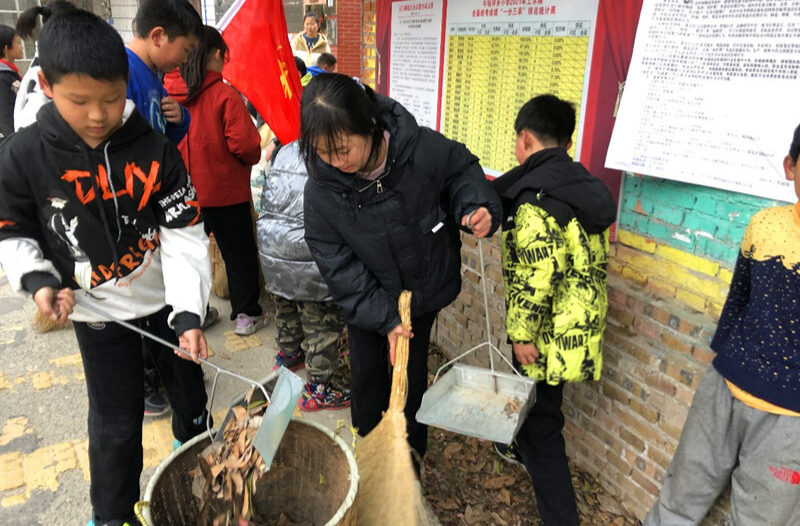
x,y
395,333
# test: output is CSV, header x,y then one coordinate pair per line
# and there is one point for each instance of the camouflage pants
x,y
315,327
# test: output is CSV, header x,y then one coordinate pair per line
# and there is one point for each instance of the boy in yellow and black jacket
x,y
554,250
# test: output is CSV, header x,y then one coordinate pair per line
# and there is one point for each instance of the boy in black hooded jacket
x,y
92,198
554,250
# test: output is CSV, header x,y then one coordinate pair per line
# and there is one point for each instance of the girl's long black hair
x,y
194,69
334,105
28,21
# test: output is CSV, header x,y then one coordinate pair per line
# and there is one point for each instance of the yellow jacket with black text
x,y
554,251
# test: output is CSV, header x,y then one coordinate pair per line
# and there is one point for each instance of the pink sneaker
x,y
247,325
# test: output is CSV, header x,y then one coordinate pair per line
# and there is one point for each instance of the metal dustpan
x,y
285,395
286,388
476,401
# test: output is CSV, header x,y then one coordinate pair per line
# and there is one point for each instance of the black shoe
x,y
212,317
508,452
155,403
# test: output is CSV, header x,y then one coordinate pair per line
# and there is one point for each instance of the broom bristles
x,y
388,491
42,323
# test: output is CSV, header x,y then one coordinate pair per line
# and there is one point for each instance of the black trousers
x,y
371,383
232,227
541,445
112,364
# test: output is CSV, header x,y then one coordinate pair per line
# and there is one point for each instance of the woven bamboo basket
x,y
313,478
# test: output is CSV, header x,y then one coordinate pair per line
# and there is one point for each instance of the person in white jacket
x,y
30,97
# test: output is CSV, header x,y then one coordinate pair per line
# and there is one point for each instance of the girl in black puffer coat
x,y
383,207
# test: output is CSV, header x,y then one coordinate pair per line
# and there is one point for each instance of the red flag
x,y
261,63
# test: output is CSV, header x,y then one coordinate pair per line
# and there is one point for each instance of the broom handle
x,y
397,401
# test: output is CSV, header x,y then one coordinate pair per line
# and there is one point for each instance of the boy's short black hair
x,y
301,66
326,59
794,148
548,118
177,17
7,34
81,43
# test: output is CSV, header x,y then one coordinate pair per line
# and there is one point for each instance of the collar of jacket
x,y
552,174
527,177
57,133
403,131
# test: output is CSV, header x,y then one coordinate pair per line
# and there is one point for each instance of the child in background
x,y
220,148
30,97
308,45
11,44
554,253
92,198
165,32
308,321
744,424
326,63
383,206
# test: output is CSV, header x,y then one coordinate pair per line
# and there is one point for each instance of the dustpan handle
x,y
169,345
485,294
488,342
397,400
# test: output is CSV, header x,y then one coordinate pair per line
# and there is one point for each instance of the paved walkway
x,y
44,470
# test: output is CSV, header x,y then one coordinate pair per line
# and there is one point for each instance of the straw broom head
x,y
389,492
42,323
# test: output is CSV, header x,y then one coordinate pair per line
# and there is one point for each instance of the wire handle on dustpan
x,y
165,343
492,348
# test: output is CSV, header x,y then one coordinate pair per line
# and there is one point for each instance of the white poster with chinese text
x,y
711,95
414,63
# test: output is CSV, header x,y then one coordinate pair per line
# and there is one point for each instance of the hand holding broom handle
x,y
397,401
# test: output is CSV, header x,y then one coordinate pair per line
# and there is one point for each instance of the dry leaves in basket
x,y
228,469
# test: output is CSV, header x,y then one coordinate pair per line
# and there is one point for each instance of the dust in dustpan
x,y
388,491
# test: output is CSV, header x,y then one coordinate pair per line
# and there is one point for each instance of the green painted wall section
x,y
703,221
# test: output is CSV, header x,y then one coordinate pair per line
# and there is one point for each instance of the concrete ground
x,y
44,471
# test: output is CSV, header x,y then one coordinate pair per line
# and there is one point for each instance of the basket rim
x,y
347,503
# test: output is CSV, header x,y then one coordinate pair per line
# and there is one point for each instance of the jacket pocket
x,y
433,222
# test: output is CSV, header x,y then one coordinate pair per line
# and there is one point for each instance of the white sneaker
x,y
247,325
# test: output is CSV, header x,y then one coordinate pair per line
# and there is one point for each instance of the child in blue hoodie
x,y
166,31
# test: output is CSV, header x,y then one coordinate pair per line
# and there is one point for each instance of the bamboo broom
x,y
388,491
42,323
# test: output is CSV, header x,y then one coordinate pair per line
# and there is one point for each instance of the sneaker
x,y
247,325
324,395
176,444
155,403
508,452
212,317
293,362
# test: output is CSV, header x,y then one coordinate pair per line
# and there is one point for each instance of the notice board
x,y
710,95
466,67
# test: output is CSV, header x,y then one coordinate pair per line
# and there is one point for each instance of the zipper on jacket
x,y
377,181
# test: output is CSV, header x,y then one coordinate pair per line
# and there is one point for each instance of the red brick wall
x,y
625,427
348,48
368,66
